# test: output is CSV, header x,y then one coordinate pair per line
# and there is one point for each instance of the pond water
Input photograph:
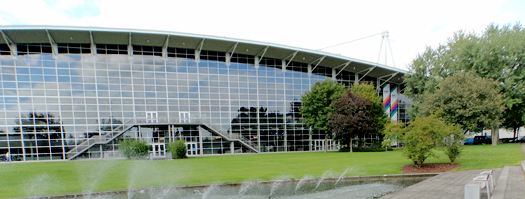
x,y
287,189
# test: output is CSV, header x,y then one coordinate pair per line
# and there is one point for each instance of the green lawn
x,y
51,178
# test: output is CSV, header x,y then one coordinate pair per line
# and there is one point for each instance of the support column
x,y
232,148
285,134
200,141
258,116
130,47
228,57
309,70
169,134
139,133
356,79
334,74
258,125
310,142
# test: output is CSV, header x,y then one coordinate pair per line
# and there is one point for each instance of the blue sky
x,y
309,24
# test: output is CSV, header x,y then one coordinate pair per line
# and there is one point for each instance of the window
x,y
112,49
4,49
147,50
74,48
26,49
181,53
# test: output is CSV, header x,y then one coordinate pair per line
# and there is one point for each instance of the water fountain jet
x,y
342,175
325,175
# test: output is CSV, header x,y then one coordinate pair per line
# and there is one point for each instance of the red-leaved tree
x,y
353,115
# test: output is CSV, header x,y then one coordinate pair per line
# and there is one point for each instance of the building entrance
x,y
192,148
158,150
318,145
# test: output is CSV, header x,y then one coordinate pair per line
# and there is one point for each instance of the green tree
x,y
368,91
515,118
424,134
134,149
178,149
497,53
473,102
318,105
352,115
391,133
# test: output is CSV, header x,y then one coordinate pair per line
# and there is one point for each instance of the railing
x,y
228,136
254,146
83,146
117,131
107,136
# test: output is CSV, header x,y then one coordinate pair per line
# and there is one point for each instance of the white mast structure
x,y
390,95
384,37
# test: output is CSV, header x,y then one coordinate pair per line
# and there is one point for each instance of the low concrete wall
x,y
193,187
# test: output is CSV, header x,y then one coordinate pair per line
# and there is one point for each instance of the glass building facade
x,y
61,101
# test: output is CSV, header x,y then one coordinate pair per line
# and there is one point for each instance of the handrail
x,y
234,136
121,128
109,136
243,139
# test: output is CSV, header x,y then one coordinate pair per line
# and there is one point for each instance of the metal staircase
x,y
231,137
99,139
119,130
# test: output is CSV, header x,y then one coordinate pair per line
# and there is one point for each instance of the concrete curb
x,y
64,196
501,185
523,166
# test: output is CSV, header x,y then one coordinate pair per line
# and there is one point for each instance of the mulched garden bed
x,y
429,168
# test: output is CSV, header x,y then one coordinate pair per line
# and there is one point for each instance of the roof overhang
x,y
38,34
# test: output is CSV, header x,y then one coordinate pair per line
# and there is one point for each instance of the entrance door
x,y
159,149
318,145
192,148
184,117
151,117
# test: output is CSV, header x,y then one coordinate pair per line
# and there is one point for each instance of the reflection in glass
x,y
51,106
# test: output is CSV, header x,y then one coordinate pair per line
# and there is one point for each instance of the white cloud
x,y
309,24
4,22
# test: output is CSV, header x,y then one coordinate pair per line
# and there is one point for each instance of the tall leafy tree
x,y
473,102
368,91
318,105
497,53
353,115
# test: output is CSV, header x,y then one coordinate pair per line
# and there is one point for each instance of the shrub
x,y
134,149
178,149
424,134
452,146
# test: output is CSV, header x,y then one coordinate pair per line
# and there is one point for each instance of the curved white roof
x,y
43,34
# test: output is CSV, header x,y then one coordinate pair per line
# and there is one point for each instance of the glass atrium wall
x,y
52,104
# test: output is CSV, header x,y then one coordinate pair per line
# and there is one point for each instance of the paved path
x,y
451,185
516,180
444,185
515,183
